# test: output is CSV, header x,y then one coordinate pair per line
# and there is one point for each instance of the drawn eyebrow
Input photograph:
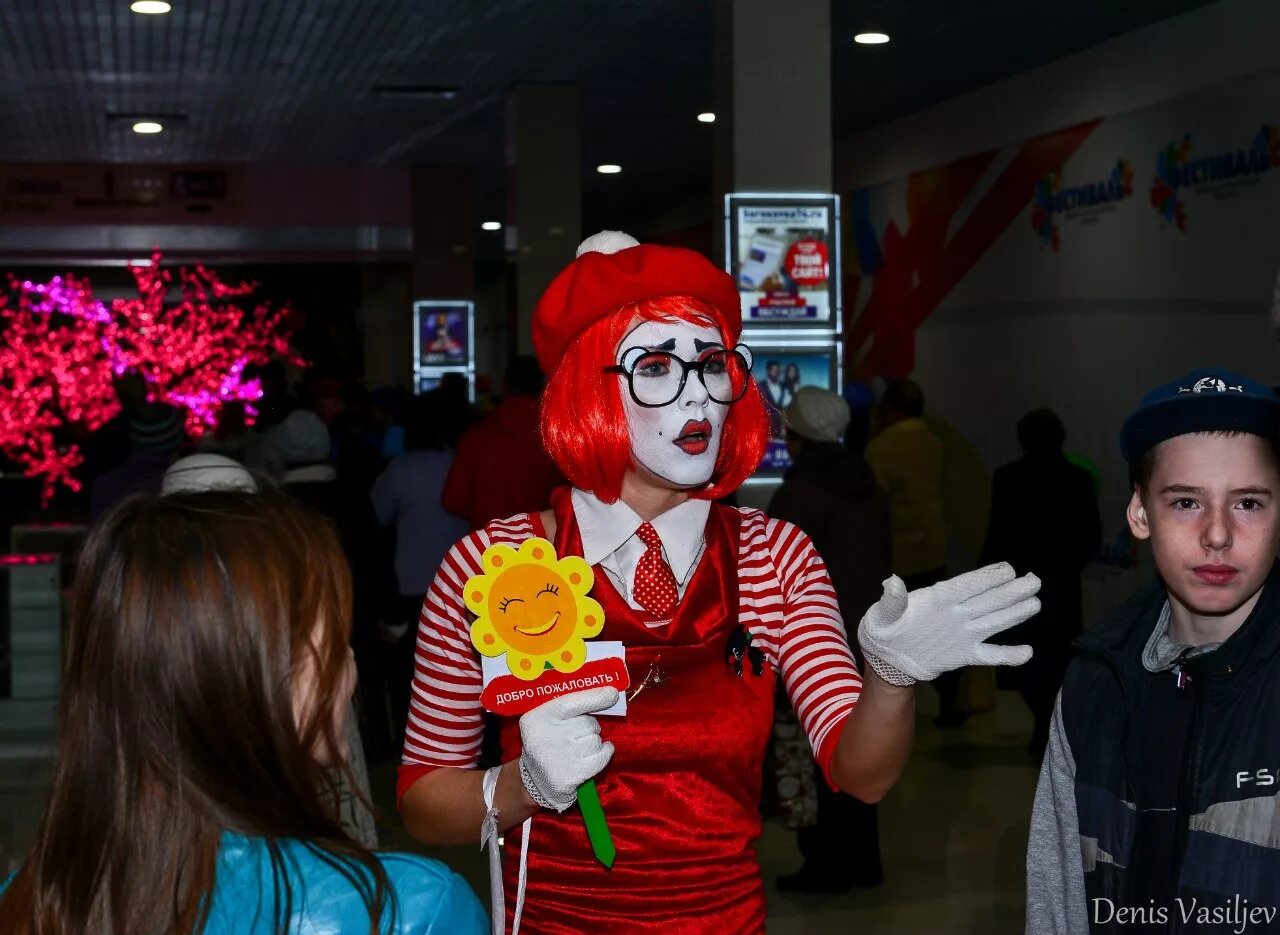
x,y
701,346
667,345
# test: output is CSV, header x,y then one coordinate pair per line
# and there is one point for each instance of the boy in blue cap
x,y
1156,808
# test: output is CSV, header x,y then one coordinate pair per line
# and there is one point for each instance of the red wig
x,y
584,426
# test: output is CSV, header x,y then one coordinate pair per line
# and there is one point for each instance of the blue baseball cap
x,y
1205,400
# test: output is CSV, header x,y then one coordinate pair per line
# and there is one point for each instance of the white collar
x,y
606,527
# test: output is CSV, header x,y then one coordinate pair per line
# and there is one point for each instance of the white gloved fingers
x,y
593,764
1001,596
891,606
582,727
989,654
578,703
991,624
963,587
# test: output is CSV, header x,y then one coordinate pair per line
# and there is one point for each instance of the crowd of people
x,y
228,607
400,477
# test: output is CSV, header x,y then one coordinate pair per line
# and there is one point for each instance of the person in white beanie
x,y
302,443
347,790
831,494
200,472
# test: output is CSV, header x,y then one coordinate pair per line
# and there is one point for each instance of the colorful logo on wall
x,y
1175,170
1053,201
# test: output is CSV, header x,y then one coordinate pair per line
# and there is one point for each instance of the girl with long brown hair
x,y
206,681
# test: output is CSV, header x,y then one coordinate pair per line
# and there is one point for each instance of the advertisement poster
x,y
782,255
443,342
778,374
444,334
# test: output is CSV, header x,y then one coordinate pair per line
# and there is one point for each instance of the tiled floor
x,y
953,834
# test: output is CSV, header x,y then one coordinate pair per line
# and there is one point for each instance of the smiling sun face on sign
x,y
534,607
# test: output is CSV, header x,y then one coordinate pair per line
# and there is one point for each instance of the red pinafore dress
x,y
682,792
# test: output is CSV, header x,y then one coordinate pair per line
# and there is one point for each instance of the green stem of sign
x,y
597,827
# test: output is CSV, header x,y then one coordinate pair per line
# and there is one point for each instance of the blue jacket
x,y
431,900
1175,776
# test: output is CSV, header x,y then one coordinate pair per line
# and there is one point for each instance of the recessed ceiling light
x,y
707,117
608,169
150,7
416,92
871,38
491,226
147,126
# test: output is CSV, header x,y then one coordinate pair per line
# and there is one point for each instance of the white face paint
x,y
678,442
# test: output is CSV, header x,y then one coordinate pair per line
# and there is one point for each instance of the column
x,y
544,161
781,117
771,80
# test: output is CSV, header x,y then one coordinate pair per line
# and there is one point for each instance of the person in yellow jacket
x,y
908,462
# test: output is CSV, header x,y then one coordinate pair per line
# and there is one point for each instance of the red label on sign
x,y
511,697
806,262
783,300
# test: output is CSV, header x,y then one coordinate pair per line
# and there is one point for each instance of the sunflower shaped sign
x,y
533,620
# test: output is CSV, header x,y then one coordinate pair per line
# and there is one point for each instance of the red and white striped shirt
x,y
785,598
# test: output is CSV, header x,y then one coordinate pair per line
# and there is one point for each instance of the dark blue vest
x,y
1177,778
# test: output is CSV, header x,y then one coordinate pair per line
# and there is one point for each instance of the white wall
x,y
1211,45
1128,301
983,368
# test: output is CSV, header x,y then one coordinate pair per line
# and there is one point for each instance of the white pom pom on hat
x,y
607,242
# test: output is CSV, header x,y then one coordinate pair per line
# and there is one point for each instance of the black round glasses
x,y
657,378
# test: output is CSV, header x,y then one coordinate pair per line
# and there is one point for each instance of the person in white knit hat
x,y
199,472
831,494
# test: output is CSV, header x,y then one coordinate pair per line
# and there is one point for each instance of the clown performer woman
x,y
651,413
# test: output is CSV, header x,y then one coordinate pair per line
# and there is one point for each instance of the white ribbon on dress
x,y
489,838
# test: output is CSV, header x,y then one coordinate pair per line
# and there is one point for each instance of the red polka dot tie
x,y
655,585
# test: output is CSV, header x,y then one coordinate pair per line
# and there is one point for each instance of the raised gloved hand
x,y
562,746
917,636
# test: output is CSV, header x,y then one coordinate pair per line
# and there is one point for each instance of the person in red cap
x,y
651,413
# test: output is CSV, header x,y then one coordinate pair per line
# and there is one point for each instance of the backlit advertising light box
x,y
783,251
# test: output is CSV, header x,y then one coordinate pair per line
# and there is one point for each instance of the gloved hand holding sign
x,y
916,636
562,746
533,617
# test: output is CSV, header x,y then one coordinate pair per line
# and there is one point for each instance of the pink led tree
x,y
60,349
193,352
54,372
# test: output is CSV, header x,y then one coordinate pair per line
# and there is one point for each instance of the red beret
x,y
596,285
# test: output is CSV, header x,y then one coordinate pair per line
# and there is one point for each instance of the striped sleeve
x,y
446,720
789,593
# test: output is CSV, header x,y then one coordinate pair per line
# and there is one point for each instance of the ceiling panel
x,y
289,81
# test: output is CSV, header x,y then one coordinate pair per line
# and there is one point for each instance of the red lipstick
x,y
695,437
1216,575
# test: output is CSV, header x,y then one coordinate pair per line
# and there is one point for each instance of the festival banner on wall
x,y
1059,203
1174,203
1182,173
783,252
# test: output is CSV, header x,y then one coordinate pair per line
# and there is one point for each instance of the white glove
x,y
918,636
562,746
